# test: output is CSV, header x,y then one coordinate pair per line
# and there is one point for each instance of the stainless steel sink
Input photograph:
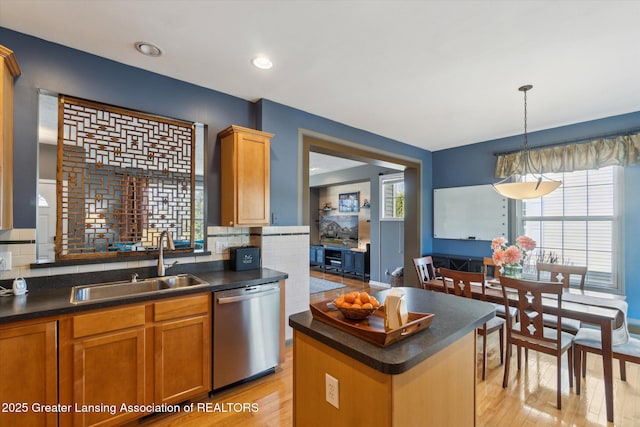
x,y
182,280
114,290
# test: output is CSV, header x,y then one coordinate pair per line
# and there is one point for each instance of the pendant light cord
x,y
525,149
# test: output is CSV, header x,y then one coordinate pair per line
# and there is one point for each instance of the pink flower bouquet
x,y
514,254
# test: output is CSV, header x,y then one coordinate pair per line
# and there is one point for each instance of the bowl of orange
x,y
356,305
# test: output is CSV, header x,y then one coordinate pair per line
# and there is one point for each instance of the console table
x,y
458,262
342,260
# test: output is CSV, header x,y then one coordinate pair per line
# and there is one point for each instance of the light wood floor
x,y
528,401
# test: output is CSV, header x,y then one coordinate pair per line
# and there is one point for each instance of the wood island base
x,y
439,391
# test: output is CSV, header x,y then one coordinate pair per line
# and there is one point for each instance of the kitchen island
x,y
426,379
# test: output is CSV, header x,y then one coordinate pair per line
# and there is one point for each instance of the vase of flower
x,y
512,258
513,270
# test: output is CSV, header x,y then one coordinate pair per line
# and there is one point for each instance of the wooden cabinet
x,y
139,354
9,69
182,346
245,177
108,351
29,373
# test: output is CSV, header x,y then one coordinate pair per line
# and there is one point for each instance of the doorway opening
x,y
375,162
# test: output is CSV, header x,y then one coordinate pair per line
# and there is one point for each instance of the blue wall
x,y
475,165
285,121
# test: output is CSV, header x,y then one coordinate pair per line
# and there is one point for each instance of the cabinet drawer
x,y
108,320
182,307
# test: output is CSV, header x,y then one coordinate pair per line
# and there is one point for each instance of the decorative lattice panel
x,y
123,177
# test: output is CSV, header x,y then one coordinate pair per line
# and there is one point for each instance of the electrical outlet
x,y
222,247
332,390
5,260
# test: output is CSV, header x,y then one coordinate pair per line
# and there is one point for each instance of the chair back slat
x,y
530,308
562,273
425,270
461,282
489,264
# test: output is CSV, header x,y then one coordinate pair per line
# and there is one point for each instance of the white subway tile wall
x,y
286,249
21,244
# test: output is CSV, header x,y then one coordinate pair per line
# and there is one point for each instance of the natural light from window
x,y
577,224
392,191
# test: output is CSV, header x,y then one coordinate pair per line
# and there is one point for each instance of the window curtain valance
x,y
619,150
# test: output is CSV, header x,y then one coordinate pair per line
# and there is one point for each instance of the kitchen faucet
x,y
161,265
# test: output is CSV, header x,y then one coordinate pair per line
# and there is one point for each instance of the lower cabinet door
x,y
28,375
182,359
108,373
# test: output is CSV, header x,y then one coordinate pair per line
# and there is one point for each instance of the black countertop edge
x,y
56,301
454,318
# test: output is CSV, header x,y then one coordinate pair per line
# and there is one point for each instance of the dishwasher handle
x,y
260,293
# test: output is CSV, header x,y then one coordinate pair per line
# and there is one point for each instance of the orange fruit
x,y
350,298
367,305
339,301
374,302
356,306
364,297
358,301
346,305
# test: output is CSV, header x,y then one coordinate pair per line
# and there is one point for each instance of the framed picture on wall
x,y
348,202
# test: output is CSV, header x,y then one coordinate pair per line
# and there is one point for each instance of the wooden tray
x,y
371,329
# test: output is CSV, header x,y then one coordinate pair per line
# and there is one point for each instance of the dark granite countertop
x,y
454,318
56,299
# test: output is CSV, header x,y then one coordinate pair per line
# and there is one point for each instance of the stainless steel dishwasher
x,y
246,332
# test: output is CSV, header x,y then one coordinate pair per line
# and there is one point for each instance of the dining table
x,y
590,307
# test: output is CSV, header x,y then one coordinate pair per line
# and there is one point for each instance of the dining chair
x,y
492,271
461,286
425,270
561,273
530,332
589,340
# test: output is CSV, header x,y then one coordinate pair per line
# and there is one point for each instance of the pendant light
x,y
541,186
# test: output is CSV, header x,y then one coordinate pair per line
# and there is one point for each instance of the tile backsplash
x,y
21,244
283,248
286,249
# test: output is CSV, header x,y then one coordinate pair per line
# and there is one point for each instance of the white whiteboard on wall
x,y
477,212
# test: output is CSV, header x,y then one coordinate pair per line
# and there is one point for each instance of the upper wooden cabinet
x,y
245,176
9,69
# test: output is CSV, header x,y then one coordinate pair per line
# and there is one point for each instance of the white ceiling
x,y
434,74
322,163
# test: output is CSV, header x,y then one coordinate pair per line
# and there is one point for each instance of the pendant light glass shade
x,y
540,186
526,190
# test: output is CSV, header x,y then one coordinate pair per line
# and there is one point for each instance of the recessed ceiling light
x,y
262,62
148,49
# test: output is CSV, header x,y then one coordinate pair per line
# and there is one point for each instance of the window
x,y
392,195
579,224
